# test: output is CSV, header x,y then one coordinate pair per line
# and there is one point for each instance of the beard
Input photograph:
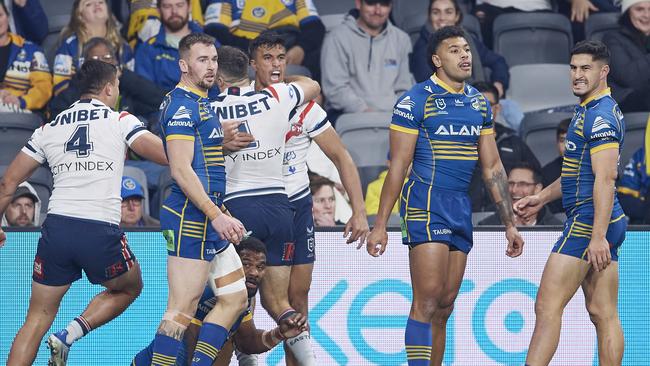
x,y
175,23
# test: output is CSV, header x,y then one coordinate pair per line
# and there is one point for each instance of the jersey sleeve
x,y
315,119
130,127
405,118
487,128
180,122
288,95
34,148
219,12
602,131
631,182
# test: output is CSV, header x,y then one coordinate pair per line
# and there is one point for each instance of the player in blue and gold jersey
x,y
442,127
195,228
586,253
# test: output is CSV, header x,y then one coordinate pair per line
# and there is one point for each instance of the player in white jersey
x,y
307,122
255,192
85,147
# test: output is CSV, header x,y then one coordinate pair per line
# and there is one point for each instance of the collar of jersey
x,y
202,94
604,92
444,85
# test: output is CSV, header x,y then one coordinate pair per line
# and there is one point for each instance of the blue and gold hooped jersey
x,y
448,124
597,125
186,115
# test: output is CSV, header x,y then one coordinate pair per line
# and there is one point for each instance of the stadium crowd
x,y
365,53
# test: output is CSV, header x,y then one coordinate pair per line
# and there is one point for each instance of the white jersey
x,y
257,169
307,122
85,146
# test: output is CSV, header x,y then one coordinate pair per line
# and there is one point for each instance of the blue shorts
x,y
303,231
270,218
431,214
577,234
187,231
69,245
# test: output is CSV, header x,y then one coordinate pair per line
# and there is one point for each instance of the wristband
x,y
275,335
210,209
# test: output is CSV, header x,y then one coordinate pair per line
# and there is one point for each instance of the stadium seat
x,y
600,23
41,180
164,189
538,131
15,130
540,86
479,216
298,70
394,221
528,38
332,20
140,177
365,135
326,7
410,12
51,42
369,174
635,125
471,25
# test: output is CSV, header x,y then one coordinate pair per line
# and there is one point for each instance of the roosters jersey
x,y
85,146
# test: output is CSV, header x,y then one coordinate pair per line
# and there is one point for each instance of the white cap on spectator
x,y
626,4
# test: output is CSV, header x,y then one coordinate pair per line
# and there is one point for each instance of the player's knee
x,y
426,307
547,309
443,311
599,313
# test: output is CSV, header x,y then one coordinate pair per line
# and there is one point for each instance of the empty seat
x,y
15,131
410,11
367,174
325,7
538,131
600,23
635,125
472,26
540,86
140,177
165,182
366,136
480,216
51,42
528,38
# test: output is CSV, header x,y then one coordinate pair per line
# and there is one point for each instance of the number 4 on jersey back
x,y
79,143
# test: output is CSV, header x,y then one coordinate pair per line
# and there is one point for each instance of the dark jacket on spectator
x,y
512,150
481,57
629,61
544,217
30,21
138,96
551,172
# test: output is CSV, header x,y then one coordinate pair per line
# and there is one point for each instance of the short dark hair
x,y
252,244
317,182
485,87
191,39
597,49
537,175
233,63
440,35
98,41
94,75
563,127
457,7
372,2
266,39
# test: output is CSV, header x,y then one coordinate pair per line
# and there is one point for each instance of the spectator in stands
x,y
133,204
29,19
89,19
364,61
138,95
634,188
144,19
629,46
579,10
157,58
24,209
237,22
322,193
512,149
488,10
553,170
25,77
448,12
524,180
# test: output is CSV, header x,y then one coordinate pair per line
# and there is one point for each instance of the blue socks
x,y
164,350
417,339
211,339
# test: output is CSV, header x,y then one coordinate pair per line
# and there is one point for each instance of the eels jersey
x,y
448,124
597,125
84,147
307,121
257,169
186,115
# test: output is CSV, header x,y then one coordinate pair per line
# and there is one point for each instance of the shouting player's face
x,y
453,58
254,264
269,64
587,75
201,65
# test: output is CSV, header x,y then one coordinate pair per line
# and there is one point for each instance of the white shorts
x,y
222,264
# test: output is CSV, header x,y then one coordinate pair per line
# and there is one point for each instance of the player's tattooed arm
x,y
497,184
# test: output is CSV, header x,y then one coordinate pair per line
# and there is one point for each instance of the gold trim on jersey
x,y
487,131
410,131
213,155
453,150
600,94
179,137
570,167
171,210
444,85
629,191
609,145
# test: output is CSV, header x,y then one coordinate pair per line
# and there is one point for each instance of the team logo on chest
x,y
476,104
440,103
